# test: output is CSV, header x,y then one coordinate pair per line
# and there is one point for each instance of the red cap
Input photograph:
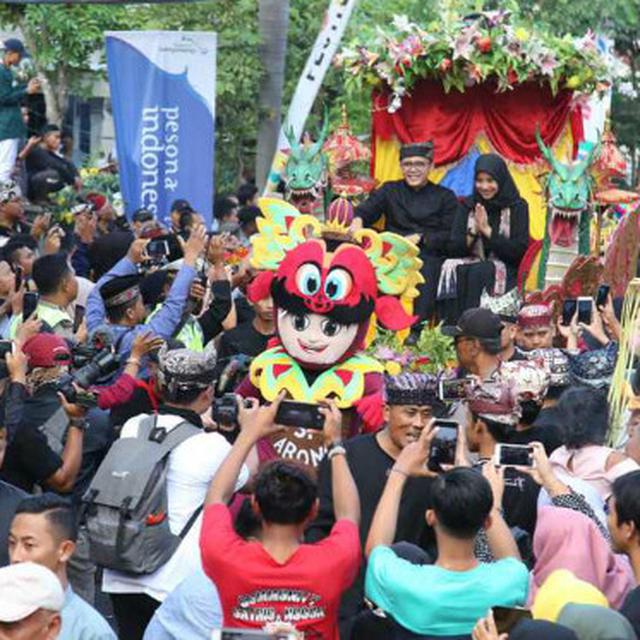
x,y
47,350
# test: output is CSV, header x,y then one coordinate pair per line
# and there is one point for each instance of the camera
x,y
103,364
225,409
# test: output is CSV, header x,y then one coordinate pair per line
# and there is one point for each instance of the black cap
x,y
181,206
14,45
121,291
476,323
142,215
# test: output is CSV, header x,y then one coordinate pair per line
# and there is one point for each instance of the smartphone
x,y
17,270
6,346
507,618
78,317
443,446
30,302
514,455
602,295
305,415
569,307
157,249
585,310
453,389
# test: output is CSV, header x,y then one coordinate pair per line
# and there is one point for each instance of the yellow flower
x,y
574,82
522,34
393,368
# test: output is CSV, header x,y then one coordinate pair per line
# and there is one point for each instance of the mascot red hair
x,y
327,286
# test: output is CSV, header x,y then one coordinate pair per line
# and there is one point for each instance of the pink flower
x,y
547,64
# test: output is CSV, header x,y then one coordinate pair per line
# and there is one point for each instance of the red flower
x,y
484,44
445,65
423,360
512,76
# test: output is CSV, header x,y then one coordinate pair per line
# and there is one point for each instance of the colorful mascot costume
x,y
326,285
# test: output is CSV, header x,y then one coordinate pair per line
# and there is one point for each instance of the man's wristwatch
x,y
336,449
78,423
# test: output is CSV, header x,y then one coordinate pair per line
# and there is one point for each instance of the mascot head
x,y
326,283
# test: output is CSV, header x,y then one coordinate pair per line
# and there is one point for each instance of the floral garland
x,y
433,353
461,52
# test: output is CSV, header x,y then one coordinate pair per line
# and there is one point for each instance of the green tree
x,y
63,40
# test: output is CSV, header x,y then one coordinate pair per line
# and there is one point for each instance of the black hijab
x,y
496,167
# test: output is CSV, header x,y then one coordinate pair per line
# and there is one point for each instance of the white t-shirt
x,y
192,465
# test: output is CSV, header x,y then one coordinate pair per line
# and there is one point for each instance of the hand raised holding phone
x,y
413,459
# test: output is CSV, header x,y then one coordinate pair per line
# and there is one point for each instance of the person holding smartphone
x,y
462,502
411,400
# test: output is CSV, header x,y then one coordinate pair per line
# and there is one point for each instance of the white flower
x,y
626,89
401,23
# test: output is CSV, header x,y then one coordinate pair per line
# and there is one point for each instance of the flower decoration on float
x,y
462,51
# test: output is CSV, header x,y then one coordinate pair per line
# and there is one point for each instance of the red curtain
x,y
453,120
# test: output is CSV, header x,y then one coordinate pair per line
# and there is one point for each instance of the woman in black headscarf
x,y
490,236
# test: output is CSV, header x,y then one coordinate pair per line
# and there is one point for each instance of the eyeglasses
x,y
419,166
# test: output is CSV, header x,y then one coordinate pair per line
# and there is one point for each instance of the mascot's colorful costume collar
x,y
327,286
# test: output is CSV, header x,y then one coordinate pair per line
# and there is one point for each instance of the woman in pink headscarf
x,y
566,539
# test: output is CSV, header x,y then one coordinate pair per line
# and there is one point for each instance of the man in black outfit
x,y
47,169
419,210
411,402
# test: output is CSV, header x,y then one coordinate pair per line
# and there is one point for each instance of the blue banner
x,y
163,100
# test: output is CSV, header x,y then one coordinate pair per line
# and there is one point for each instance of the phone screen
x,y
157,248
78,317
18,273
304,415
29,305
453,389
508,617
443,446
585,306
569,307
603,294
513,455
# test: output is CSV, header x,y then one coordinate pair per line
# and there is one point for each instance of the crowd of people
x,y
138,501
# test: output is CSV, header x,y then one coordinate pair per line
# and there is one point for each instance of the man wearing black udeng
x,y
419,210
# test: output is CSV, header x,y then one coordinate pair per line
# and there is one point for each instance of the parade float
x,y
490,82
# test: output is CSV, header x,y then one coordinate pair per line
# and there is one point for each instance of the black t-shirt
x,y
370,466
548,436
29,459
243,339
520,500
631,609
10,496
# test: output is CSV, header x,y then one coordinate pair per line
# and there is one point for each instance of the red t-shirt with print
x,y
256,589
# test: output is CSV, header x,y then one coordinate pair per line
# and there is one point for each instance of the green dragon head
x,y
569,188
305,175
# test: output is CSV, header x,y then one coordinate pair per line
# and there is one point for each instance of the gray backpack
x,y
125,507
